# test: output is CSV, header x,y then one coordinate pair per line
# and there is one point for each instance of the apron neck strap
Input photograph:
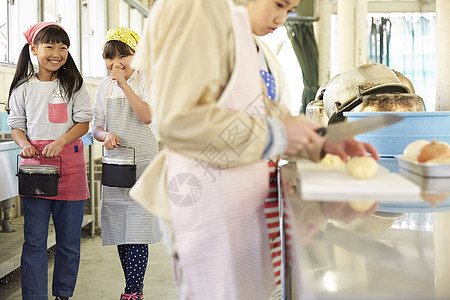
x,y
137,76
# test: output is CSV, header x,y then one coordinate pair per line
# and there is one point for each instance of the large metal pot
x,y
38,180
391,102
322,88
119,170
343,89
405,81
316,112
399,102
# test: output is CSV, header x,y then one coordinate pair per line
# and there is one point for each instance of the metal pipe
x,y
6,207
7,109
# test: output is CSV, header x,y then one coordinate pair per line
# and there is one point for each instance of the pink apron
x,y
218,214
72,185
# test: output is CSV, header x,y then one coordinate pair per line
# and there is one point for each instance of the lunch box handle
x,y
60,164
134,152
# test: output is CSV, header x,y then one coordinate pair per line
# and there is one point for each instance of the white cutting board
x,y
319,183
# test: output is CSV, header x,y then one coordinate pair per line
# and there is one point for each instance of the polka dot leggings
x,y
134,258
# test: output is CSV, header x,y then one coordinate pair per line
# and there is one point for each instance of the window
x,y
124,13
67,14
136,21
3,31
406,49
132,15
93,28
92,32
15,18
50,12
84,21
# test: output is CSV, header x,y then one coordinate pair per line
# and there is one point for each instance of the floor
x,y
101,277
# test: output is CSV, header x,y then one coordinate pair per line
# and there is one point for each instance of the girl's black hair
x,y
114,48
69,76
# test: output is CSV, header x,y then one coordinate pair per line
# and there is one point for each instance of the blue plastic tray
x,y
392,140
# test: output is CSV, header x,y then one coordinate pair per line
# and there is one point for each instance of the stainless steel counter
x,y
390,255
8,169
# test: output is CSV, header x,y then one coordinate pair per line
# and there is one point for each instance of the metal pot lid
x,y
405,80
39,169
118,160
365,79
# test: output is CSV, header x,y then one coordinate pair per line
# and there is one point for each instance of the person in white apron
x,y
121,118
264,19
212,179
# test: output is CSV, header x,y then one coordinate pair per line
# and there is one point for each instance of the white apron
x,y
124,221
218,215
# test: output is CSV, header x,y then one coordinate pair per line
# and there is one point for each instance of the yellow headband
x,y
123,35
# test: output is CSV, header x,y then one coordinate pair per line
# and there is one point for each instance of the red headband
x,y
33,30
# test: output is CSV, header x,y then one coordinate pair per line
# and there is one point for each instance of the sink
x,y
7,145
8,169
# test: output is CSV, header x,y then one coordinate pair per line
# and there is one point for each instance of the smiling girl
x,y
50,112
121,118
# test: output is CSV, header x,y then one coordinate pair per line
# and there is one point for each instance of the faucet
x,y
6,106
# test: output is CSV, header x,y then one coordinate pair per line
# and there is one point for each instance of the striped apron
x,y
271,205
218,214
124,221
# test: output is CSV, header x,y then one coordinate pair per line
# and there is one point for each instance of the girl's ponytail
x,y
24,69
70,78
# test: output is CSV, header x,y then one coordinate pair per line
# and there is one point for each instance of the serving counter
x,y
398,254
8,161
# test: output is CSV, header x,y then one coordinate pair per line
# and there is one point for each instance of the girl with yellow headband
x,y
121,118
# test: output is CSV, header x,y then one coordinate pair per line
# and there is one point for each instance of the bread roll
x,y
363,167
332,161
412,150
433,150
